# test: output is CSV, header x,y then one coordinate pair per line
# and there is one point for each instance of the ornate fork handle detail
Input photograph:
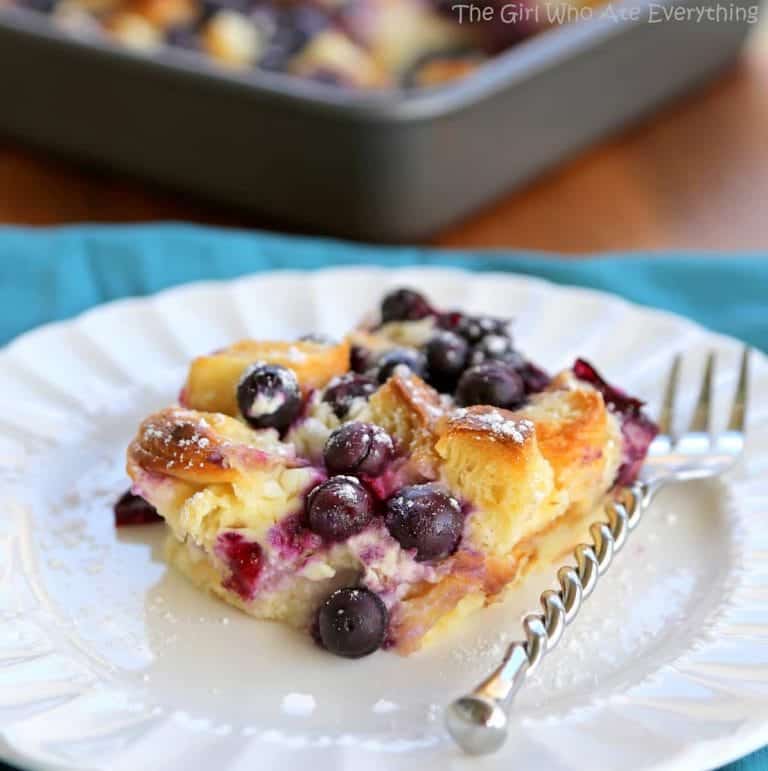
x,y
478,721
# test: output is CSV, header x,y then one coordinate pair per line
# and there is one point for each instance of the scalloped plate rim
x,y
749,736
212,284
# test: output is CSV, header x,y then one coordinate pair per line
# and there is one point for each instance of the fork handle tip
x,y
477,724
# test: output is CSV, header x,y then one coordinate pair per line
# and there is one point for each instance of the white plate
x,y
110,661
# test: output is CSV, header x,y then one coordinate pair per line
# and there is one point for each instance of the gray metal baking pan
x,y
393,166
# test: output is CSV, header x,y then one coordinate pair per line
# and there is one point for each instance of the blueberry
x,y
293,27
308,19
303,22
404,305
359,358
345,389
474,328
446,354
268,396
278,52
495,348
352,622
534,378
339,508
132,509
358,448
425,518
182,36
491,383
397,358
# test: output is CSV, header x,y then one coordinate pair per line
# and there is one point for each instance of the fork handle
x,y
478,721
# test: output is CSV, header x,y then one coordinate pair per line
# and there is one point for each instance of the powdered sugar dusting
x,y
423,398
184,433
495,423
185,439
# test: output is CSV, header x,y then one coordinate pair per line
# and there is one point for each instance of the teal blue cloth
x,y
51,274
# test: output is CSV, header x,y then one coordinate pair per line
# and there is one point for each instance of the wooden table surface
x,y
694,176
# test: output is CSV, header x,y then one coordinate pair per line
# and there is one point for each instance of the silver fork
x,y
478,721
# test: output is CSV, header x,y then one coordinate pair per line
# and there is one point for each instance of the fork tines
x,y
701,419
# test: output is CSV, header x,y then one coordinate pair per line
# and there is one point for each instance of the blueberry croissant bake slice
x,y
377,491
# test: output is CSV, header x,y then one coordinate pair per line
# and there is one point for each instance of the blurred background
x,y
549,164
